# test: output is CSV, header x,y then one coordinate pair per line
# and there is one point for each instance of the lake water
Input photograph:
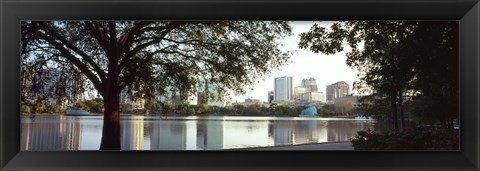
x,y
48,133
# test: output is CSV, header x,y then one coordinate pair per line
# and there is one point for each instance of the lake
x,y
47,133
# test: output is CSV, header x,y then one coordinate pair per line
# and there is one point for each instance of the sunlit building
x,y
337,90
308,92
313,97
283,89
310,84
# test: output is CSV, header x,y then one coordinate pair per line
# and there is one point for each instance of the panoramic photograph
x,y
239,85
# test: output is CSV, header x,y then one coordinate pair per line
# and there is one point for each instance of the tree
x,y
150,105
95,105
82,105
348,106
53,108
201,108
273,108
240,108
326,110
151,57
395,55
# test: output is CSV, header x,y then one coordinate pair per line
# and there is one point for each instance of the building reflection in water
x,y
246,133
46,135
341,130
314,131
201,136
305,132
283,132
140,133
209,135
168,135
132,133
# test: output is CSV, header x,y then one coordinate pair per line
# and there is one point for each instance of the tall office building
x,y
310,84
337,90
283,88
308,91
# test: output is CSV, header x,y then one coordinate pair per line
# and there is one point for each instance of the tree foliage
x,y
397,58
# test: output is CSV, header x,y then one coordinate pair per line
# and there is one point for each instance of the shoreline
x,y
133,114
324,146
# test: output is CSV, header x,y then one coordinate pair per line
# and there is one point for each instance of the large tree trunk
x,y
111,118
394,110
400,104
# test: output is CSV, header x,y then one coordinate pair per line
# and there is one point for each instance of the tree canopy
x,y
397,58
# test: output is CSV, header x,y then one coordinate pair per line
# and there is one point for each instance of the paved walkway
x,y
316,146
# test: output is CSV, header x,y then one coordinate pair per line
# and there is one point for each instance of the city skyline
x,y
304,64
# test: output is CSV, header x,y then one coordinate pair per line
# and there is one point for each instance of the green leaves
x,y
397,56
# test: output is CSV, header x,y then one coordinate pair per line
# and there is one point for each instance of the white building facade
x,y
283,89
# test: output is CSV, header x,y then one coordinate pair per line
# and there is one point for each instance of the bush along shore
x,y
410,139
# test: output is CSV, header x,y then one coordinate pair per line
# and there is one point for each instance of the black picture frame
x,y
14,11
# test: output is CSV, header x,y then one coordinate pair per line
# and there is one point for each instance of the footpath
x,y
317,146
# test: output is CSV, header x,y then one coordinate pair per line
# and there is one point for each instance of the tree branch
x,y
98,35
53,32
96,82
138,48
164,33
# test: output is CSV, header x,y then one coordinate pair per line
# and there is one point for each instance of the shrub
x,y
412,139
53,108
26,109
40,107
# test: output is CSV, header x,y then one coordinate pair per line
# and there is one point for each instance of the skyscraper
x,y
310,84
337,90
308,91
283,88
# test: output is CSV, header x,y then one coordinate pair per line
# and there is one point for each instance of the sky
x,y
326,69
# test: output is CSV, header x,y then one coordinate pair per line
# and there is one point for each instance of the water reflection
x,y
132,133
61,134
184,133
